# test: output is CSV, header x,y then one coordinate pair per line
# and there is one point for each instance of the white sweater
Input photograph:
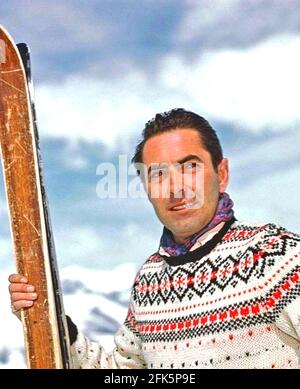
x,y
234,302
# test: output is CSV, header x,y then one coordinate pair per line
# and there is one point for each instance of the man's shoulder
x,y
153,260
251,236
269,237
152,264
242,229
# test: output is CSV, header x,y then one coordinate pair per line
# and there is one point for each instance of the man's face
x,y
184,184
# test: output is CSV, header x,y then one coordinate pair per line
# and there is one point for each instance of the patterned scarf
x,y
223,213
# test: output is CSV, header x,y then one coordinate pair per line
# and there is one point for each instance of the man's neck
x,y
181,239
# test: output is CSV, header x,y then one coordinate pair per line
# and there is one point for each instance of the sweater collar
x,y
199,242
195,255
224,212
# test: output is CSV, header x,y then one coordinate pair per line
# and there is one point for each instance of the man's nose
x,y
176,183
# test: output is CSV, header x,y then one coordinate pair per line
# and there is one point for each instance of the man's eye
x,y
190,166
157,174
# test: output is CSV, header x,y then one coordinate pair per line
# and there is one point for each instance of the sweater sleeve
x,y
289,320
286,293
127,354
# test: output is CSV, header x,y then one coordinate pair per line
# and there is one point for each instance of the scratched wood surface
x,y
22,181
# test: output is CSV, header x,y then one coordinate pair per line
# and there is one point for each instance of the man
x,y
219,293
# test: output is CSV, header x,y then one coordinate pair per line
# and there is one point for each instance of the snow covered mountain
x,y
96,300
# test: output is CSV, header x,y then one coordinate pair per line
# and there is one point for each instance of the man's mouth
x,y
183,205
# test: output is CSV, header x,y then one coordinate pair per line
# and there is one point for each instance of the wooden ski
x,y
45,330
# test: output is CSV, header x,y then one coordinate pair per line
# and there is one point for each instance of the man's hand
x,y
21,293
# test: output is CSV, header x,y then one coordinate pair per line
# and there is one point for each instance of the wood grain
x,y
22,181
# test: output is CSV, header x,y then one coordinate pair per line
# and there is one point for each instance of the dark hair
x,y
179,118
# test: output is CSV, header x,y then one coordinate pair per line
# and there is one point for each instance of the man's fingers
x,y
22,304
23,297
17,278
16,287
22,294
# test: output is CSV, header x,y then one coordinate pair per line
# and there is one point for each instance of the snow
x,y
96,300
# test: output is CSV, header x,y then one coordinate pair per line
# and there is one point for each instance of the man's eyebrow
x,y
189,157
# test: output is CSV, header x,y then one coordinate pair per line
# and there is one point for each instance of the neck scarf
x,y
223,213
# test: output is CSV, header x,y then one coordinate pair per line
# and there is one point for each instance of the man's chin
x,y
184,229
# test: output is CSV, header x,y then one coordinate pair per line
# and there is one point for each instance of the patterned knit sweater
x,y
234,302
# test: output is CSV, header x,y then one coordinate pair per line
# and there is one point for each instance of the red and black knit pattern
x,y
232,303
247,279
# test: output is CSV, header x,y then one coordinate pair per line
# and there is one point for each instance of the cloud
x,y
94,110
265,180
273,198
264,156
214,24
3,211
109,38
255,88
55,27
104,39
5,249
100,281
109,241
6,245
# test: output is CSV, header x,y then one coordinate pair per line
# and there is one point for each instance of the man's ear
x,y
223,173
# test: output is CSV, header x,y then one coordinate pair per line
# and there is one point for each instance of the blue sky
x,y
104,68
